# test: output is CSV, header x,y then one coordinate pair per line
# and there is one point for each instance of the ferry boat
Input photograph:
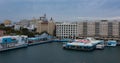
x,y
87,44
111,43
13,42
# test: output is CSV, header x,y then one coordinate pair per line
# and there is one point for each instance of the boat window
x,y
5,40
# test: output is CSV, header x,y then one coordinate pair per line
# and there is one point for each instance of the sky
x,y
60,10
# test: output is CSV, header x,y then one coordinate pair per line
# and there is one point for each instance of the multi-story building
x,y
115,29
17,27
103,29
29,24
80,29
43,25
90,29
66,30
99,29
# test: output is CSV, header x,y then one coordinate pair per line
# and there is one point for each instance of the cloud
x,y
58,8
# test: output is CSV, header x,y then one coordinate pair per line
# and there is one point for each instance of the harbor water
x,y
54,53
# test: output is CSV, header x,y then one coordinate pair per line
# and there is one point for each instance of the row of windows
x,y
66,30
67,33
66,27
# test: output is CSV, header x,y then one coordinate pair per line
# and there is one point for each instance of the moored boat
x,y
87,44
13,42
36,41
112,43
79,46
100,46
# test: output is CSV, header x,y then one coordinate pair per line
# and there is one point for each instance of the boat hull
x,y
79,48
12,48
41,42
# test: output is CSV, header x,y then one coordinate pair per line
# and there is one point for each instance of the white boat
x,y
13,42
111,43
83,44
79,46
100,46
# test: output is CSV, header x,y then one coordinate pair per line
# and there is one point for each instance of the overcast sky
x,y
60,10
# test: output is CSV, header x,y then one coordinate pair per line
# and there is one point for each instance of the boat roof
x,y
80,44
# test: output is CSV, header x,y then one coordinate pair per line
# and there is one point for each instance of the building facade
x,y
43,25
102,29
99,29
66,30
29,24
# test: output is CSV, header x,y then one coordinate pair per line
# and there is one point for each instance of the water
x,y
53,53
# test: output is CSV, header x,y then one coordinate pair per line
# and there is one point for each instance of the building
x,y
17,27
7,23
86,29
104,28
99,29
29,24
66,30
44,25
115,29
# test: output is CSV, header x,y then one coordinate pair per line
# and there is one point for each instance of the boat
x,y
79,46
87,44
100,46
112,43
13,42
40,39
36,41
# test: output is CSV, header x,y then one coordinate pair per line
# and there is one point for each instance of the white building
x,y
29,24
66,30
17,27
